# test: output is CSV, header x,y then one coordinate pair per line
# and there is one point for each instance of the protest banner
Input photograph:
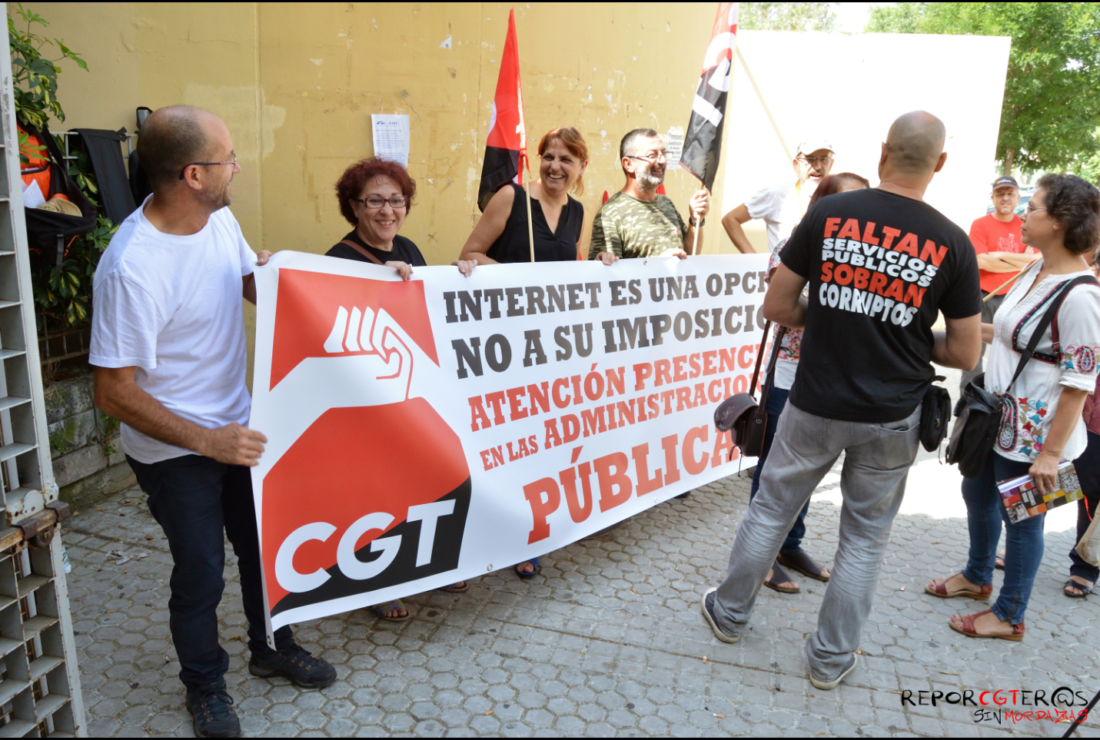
x,y
430,431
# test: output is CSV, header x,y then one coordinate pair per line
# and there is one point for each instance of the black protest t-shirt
x,y
404,250
880,267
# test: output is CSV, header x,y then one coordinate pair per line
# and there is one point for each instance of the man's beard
x,y
648,181
217,201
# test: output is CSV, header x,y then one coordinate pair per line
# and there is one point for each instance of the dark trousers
x,y
198,502
777,401
1088,473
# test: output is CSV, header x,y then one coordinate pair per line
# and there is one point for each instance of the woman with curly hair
x,y
375,197
1044,426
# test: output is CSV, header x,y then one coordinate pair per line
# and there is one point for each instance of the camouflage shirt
x,y
636,228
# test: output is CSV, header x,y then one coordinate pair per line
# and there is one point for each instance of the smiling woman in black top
x,y
501,235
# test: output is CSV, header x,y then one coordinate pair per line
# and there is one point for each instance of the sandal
x,y
999,561
780,576
940,589
382,610
968,628
532,574
1085,590
456,588
803,563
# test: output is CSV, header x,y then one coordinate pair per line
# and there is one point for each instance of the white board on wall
x,y
849,88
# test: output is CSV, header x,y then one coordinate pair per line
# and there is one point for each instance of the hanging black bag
x,y
935,414
741,415
49,232
979,413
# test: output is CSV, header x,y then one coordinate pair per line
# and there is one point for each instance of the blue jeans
x,y
198,502
777,400
1023,540
1088,472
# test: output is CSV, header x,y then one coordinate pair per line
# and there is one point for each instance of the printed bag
x,y
979,413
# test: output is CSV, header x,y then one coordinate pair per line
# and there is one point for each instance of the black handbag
x,y
935,414
741,415
979,413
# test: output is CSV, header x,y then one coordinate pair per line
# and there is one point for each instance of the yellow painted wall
x,y
297,83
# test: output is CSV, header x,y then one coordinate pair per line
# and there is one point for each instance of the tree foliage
x,y
787,16
1051,110
35,76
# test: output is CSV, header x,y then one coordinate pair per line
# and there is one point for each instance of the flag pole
x,y
1008,283
527,190
764,103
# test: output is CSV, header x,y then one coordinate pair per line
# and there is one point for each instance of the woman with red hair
x,y
501,235
375,196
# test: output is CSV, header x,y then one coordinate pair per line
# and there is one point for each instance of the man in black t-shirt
x,y
880,265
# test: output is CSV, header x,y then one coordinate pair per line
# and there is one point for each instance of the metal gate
x,y
39,682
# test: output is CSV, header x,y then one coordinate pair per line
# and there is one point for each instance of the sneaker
x,y
708,612
830,685
212,714
295,663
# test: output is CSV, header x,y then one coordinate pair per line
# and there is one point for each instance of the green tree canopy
x,y
787,16
1051,108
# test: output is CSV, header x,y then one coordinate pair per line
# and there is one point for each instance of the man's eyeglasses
x,y
192,164
374,202
815,161
1032,209
651,157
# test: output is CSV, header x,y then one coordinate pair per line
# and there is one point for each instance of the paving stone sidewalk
x,y
608,641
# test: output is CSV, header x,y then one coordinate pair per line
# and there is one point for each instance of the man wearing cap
x,y
782,206
1001,254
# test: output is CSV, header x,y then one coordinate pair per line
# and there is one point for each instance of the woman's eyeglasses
x,y
374,202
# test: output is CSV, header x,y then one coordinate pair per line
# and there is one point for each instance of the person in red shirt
x,y
1001,254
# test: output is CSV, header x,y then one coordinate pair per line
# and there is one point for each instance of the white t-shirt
x,y
171,307
1072,363
778,206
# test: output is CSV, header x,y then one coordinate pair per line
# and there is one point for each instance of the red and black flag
x,y
507,143
703,139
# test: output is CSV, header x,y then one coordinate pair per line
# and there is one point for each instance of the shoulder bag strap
x,y
759,358
361,251
772,362
1044,322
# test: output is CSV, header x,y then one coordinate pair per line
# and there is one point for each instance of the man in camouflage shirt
x,y
636,221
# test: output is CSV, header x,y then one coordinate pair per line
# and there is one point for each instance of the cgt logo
x,y
347,560
370,487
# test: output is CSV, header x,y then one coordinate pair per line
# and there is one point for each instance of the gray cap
x,y
1005,182
809,146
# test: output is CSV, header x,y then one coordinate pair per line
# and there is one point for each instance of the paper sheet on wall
x,y
675,146
391,137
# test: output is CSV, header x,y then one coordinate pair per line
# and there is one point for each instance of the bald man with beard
x,y
881,264
168,347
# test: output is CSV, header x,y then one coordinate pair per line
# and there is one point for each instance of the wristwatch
x,y
703,222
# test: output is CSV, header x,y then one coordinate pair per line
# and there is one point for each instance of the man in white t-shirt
x,y
168,346
782,206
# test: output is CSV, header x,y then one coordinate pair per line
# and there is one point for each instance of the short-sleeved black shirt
x,y
550,246
404,250
880,267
